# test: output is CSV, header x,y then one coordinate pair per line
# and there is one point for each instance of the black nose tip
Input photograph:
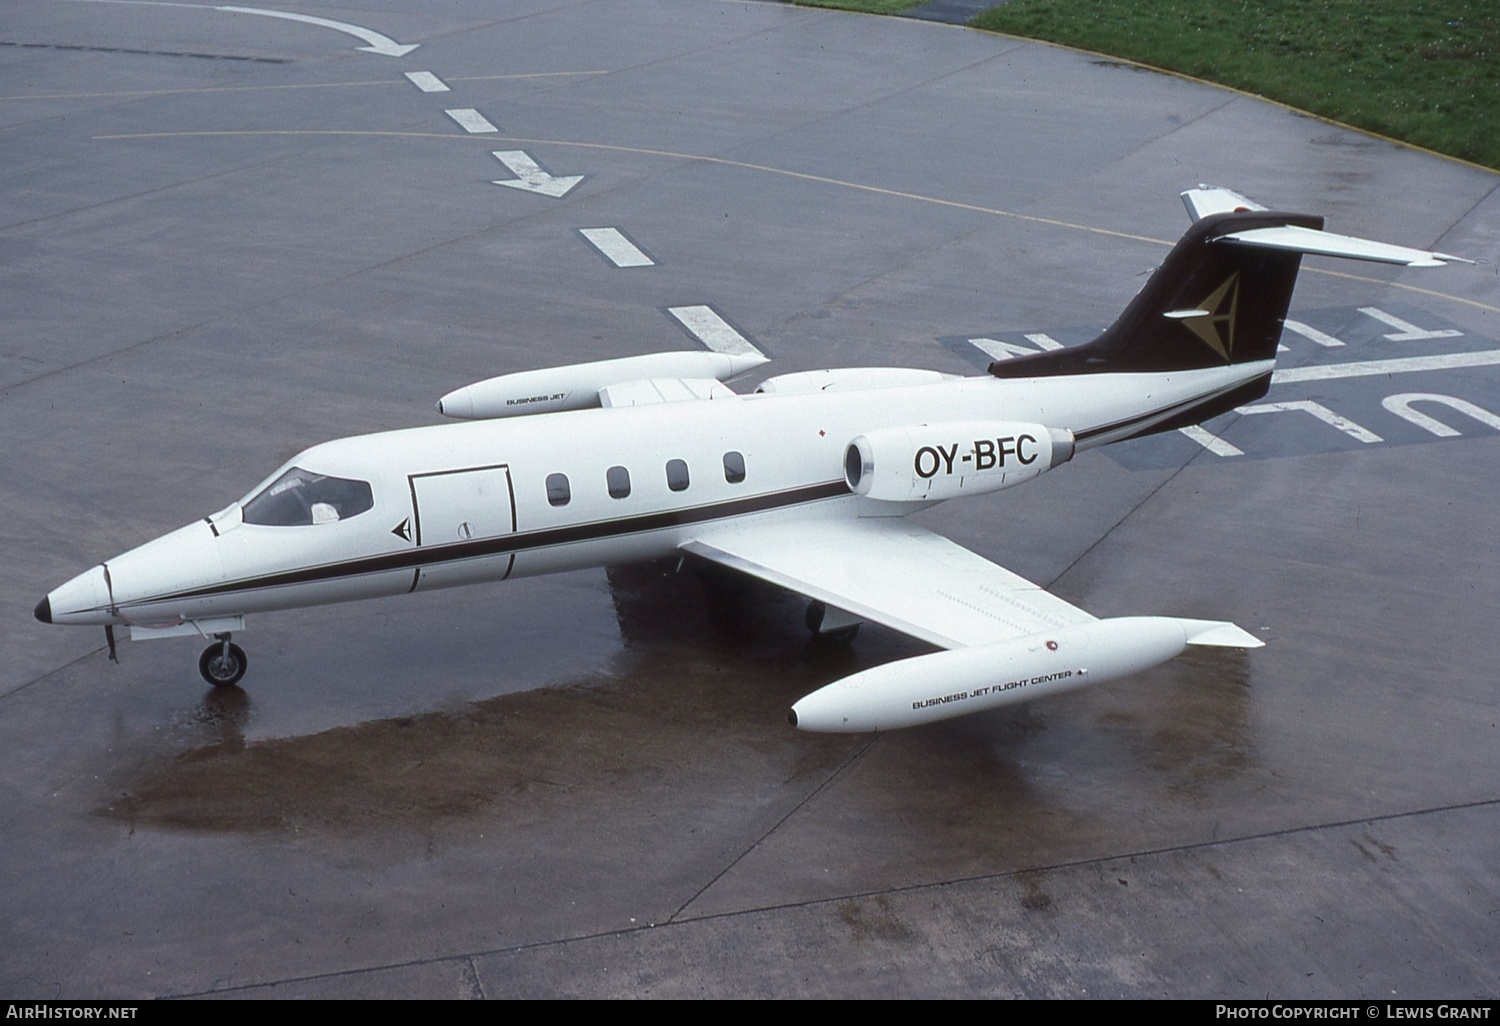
x,y
791,716
44,610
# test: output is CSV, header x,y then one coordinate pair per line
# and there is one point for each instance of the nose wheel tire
x,y
222,664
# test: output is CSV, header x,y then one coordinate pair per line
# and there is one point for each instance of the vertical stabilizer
x,y
1213,302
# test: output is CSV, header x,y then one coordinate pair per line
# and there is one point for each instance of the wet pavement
x,y
226,237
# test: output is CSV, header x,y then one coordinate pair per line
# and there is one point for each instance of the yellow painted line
x,y
646,151
877,190
1409,288
533,74
859,186
286,131
304,85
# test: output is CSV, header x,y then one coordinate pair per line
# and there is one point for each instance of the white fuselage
x,y
484,500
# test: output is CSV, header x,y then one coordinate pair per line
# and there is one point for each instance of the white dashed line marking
x,y
617,249
427,82
471,121
705,325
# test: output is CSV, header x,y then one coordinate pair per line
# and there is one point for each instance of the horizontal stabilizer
x,y
1211,199
1310,240
1207,200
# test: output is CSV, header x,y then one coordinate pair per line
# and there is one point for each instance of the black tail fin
x,y
1210,303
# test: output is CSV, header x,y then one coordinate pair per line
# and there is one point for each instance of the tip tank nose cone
x,y
44,610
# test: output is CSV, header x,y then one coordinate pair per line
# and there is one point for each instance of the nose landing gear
x,y
222,663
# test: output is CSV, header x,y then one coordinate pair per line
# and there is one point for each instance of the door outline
x,y
416,507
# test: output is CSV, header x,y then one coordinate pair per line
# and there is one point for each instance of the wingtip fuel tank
x,y
577,386
925,689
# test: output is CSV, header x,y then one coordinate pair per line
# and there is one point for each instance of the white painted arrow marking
x,y
1212,442
705,325
471,121
1400,405
530,177
1320,411
1044,341
1405,330
617,249
427,82
383,45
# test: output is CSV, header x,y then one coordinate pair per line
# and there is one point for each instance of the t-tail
x,y
1219,300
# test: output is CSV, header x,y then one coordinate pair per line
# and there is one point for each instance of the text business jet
x,y
805,484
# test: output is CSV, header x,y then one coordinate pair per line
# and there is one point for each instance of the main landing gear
x,y
833,626
222,663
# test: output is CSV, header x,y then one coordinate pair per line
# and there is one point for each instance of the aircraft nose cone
x,y
84,599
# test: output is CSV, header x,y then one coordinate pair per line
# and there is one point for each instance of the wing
x,y
893,573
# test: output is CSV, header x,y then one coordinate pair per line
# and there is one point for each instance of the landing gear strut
x,y
222,663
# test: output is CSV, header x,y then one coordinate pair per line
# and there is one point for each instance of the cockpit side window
x,y
299,497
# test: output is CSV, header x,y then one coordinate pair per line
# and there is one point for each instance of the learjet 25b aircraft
x,y
805,483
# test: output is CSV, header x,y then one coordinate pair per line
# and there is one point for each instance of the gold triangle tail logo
x,y
1215,326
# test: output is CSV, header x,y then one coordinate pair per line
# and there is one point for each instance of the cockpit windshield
x,y
299,497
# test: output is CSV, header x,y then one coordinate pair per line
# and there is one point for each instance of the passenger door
x,y
464,517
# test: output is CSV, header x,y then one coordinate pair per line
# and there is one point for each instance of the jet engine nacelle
x,y
577,386
967,680
929,462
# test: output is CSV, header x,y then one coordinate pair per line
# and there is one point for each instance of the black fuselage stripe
x,y
435,555
1166,411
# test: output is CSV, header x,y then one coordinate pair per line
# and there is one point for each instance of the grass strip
x,y
1423,71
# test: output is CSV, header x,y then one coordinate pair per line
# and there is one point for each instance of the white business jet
x,y
806,483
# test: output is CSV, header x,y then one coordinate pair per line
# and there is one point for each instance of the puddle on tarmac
x,y
704,677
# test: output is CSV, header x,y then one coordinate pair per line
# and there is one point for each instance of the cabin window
x,y
299,498
618,479
558,492
734,467
677,475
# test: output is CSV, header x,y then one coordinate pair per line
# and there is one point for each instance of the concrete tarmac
x,y
229,236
